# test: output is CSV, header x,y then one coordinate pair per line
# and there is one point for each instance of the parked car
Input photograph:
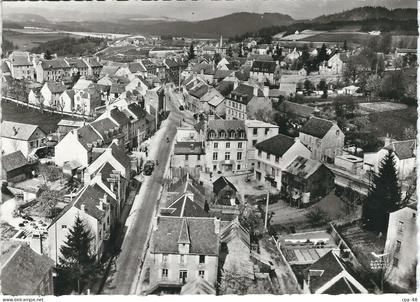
x,y
148,167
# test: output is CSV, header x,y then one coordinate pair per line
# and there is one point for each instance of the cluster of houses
x,y
196,236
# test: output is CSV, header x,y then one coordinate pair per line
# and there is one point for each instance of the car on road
x,y
148,168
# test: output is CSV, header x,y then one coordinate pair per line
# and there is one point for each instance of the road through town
x,y
123,280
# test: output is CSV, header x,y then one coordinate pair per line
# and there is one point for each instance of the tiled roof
x,y
202,236
226,125
403,149
265,57
244,93
137,110
340,287
5,68
243,73
317,127
22,269
119,117
189,148
109,70
90,198
120,155
136,67
303,167
264,66
117,88
82,84
103,125
221,74
220,183
235,230
106,171
13,161
56,87
87,135
20,60
199,90
198,286
76,62
330,265
93,62
17,130
54,64
276,145
189,184
183,206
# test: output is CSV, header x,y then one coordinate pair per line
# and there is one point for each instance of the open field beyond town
x,y
27,41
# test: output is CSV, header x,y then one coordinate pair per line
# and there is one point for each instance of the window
x,y
268,155
214,167
259,165
164,257
186,156
181,259
337,132
254,142
395,262
277,159
64,226
214,155
266,131
183,276
227,155
202,259
238,167
216,145
165,273
240,145
227,145
100,234
273,171
400,226
239,156
198,157
201,274
259,153
398,246
222,134
255,131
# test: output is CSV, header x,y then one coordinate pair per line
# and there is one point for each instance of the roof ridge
x,y
4,263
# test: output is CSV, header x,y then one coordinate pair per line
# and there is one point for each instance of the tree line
x,y
71,46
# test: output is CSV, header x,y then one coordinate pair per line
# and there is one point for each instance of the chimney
x,y
297,140
266,91
216,225
235,84
82,207
255,90
192,147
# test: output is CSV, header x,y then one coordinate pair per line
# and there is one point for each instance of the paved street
x,y
124,279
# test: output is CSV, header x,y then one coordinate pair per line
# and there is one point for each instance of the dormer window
x,y
232,134
222,134
212,134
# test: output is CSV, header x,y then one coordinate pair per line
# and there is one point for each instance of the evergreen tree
x,y
241,51
229,52
384,196
191,54
322,55
206,206
47,55
77,265
345,45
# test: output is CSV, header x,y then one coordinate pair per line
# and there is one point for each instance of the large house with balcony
x,y
274,155
183,249
323,138
225,145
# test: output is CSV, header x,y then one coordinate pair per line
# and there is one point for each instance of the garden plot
x,y
381,107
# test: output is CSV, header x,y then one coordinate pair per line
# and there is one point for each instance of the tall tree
x,y
384,195
47,55
78,265
191,53
241,50
229,52
345,45
322,54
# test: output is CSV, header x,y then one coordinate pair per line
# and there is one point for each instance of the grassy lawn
x,y
392,122
25,41
20,114
350,37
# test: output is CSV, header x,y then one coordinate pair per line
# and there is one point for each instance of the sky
x,y
192,10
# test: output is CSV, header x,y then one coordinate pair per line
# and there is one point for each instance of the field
x,y
392,122
404,41
20,114
382,106
26,41
339,37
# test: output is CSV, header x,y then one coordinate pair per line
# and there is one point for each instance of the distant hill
x,y
227,26
25,18
368,12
